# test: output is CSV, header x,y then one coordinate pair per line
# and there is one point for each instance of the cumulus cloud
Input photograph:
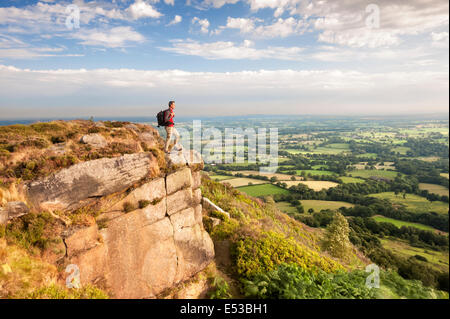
x,y
230,50
202,23
345,22
141,9
177,19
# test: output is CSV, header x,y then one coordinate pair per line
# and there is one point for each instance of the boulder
x,y
194,160
197,196
3,216
151,140
141,263
196,179
195,249
95,140
73,187
175,159
151,191
178,180
179,201
13,210
81,240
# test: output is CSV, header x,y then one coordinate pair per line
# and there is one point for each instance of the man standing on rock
x,y
169,114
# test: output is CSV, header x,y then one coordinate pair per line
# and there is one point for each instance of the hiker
x,y
169,114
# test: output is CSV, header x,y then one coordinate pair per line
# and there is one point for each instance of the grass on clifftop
x,y
31,151
25,277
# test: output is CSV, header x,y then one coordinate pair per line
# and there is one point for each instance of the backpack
x,y
160,117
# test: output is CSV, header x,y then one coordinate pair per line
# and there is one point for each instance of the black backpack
x,y
160,117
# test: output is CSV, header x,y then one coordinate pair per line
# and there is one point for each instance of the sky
x,y
223,57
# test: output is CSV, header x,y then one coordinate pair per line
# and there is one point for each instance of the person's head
x,y
172,104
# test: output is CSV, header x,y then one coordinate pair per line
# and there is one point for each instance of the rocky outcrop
x,y
12,210
95,140
142,252
147,234
74,187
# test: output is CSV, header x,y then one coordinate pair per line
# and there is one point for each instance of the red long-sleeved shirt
x,y
169,117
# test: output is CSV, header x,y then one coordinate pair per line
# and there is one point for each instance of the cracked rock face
x,y
73,187
143,252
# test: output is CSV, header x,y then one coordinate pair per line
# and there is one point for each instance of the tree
x,y
292,178
336,237
300,209
311,210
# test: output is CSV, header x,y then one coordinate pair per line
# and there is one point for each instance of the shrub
x,y
31,230
57,292
219,215
58,139
336,237
128,207
208,224
220,289
289,281
271,249
143,203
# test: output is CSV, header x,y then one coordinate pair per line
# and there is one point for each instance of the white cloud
x,y
13,48
280,28
169,2
141,9
229,50
259,91
177,19
206,4
440,39
344,22
112,38
203,23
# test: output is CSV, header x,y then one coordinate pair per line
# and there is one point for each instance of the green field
x,y
435,189
368,155
339,146
220,177
401,150
320,150
348,180
400,223
286,207
414,203
314,172
243,181
319,166
437,259
262,190
367,173
318,205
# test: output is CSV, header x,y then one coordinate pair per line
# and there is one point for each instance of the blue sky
x,y
223,57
